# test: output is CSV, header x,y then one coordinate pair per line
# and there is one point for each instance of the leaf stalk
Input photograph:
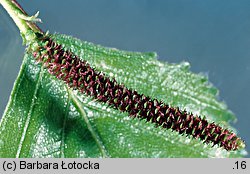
x,y
25,23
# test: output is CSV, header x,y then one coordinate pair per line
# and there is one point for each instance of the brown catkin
x,y
80,75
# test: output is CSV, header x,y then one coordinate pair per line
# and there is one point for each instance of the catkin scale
x,y
80,75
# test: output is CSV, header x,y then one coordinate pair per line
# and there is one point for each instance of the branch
x,y
25,23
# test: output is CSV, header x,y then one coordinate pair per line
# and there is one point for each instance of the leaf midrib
x,y
89,126
27,122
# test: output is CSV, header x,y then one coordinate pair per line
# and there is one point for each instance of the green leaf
x,y
44,118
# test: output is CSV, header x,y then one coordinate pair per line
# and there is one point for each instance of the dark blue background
x,y
213,35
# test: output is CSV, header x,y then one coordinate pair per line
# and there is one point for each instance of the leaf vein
x,y
89,126
26,126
